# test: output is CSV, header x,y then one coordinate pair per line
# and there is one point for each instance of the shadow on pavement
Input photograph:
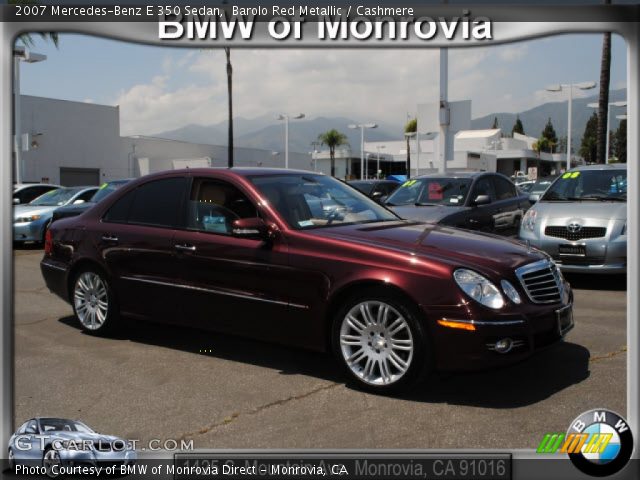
x,y
528,382
583,281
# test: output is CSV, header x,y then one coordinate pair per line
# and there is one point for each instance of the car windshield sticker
x,y
566,175
104,185
575,174
435,191
305,223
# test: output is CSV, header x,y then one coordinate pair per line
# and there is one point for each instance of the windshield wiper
x,y
425,204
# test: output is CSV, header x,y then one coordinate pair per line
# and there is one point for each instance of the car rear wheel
x,y
94,302
380,342
12,460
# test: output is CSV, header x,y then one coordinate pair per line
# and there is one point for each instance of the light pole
x,y
379,147
286,118
362,126
570,86
622,103
20,54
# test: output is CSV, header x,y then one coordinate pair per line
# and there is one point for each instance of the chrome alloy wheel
x,y
376,343
91,300
51,459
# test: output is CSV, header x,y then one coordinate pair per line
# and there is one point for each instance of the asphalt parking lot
x,y
159,382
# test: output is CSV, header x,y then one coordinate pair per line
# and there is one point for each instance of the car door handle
x,y
183,247
109,238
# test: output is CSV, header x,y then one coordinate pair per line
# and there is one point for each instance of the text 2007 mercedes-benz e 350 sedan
x,y
304,259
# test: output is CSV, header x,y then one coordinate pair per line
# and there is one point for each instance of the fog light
x,y
504,345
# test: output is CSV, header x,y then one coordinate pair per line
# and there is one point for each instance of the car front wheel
x,y
50,460
380,343
94,303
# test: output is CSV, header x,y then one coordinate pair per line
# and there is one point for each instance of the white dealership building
x,y
78,143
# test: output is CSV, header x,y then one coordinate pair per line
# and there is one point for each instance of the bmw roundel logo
x,y
604,442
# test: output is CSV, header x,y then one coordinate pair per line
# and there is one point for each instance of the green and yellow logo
x,y
574,443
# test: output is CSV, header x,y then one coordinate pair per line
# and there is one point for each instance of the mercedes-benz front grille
x,y
582,233
541,280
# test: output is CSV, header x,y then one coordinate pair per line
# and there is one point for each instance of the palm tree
x,y
603,101
410,127
227,52
332,139
26,38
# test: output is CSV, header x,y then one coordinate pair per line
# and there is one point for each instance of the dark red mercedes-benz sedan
x,y
301,258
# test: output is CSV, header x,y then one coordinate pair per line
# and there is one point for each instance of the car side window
x,y
214,205
483,186
504,188
156,203
86,196
119,211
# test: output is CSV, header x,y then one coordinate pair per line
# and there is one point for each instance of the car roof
x,y
602,166
466,174
20,186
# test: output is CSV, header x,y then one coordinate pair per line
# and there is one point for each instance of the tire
x,y
381,352
49,458
94,302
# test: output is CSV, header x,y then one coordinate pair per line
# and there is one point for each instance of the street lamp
x,y
20,54
622,103
286,118
362,126
379,147
570,86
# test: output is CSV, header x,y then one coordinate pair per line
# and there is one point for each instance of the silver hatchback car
x,y
581,220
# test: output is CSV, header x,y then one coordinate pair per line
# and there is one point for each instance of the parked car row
x,y
36,206
302,258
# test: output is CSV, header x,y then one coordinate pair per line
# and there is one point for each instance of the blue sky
x,y
161,88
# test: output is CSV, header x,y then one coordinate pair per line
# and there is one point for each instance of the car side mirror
x,y
16,201
534,197
382,199
482,200
254,228
78,201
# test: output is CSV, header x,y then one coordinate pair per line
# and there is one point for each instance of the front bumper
x,y
29,232
602,255
469,350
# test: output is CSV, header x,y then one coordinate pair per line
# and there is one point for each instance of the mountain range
x,y
265,132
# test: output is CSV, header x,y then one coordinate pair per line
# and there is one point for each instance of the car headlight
x,y
529,220
479,288
510,292
28,219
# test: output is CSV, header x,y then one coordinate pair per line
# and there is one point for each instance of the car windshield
x,y
541,185
584,185
307,201
62,425
364,187
55,197
106,189
431,191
